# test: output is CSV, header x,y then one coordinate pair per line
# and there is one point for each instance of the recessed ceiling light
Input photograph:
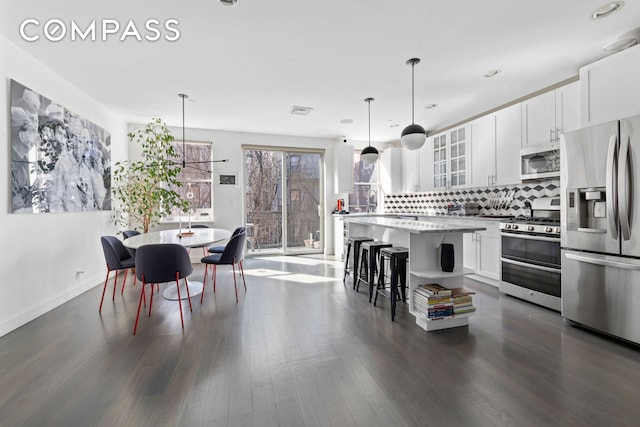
x,y
607,9
300,111
430,106
346,121
492,73
394,125
228,2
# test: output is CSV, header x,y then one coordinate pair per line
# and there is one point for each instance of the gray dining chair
x,y
233,254
162,263
117,258
220,249
204,247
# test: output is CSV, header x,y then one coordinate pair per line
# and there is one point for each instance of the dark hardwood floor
x,y
302,349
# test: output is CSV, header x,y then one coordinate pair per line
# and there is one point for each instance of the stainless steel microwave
x,y
540,162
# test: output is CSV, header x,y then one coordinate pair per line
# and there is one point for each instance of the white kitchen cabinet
x,y
481,250
568,109
338,236
488,250
539,119
495,148
391,170
610,88
425,166
452,157
411,171
546,116
508,143
343,168
483,150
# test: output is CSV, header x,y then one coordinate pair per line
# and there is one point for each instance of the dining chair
x,y
161,263
125,235
220,249
204,247
233,254
117,258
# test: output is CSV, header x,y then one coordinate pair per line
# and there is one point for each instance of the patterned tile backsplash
x,y
507,200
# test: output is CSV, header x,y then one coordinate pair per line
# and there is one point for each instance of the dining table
x,y
189,238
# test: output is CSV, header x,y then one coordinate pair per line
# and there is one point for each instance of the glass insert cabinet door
x,y
283,201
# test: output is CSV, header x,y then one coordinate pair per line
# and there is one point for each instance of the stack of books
x,y
462,301
434,301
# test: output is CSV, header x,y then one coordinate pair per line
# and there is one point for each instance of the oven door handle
x,y
533,266
603,260
529,237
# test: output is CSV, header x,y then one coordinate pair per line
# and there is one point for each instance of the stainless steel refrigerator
x,y
600,236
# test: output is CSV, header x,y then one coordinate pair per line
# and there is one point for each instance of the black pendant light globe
x,y
413,136
369,154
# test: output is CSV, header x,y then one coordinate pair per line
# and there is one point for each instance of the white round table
x,y
200,237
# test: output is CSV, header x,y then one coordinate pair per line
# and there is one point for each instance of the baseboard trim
x,y
17,320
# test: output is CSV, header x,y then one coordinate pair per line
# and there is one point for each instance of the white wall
x,y
228,200
41,253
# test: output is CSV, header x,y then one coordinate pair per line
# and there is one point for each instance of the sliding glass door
x,y
283,202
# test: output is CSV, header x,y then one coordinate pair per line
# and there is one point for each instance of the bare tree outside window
x,y
365,186
196,176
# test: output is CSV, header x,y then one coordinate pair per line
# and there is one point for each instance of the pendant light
x,y
369,154
192,164
413,136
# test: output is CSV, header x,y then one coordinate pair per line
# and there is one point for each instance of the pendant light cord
x,y
184,164
369,102
413,91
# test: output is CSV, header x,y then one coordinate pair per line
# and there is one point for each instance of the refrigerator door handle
x,y
624,188
604,260
612,186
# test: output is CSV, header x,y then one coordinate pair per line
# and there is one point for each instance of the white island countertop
x,y
413,226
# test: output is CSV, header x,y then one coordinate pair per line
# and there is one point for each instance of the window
x,y
365,186
196,177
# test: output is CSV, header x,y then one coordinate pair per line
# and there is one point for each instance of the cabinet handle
x,y
558,134
551,135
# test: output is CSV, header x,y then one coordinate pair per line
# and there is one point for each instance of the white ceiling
x,y
245,66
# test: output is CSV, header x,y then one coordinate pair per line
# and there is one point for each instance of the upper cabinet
x,y
495,147
451,157
611,87
508,143
343,168
483,150
391,170
412,170
546,116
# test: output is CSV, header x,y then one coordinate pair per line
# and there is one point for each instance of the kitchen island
x,y
424,240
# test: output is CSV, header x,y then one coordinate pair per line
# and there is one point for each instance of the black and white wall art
x,y
60,161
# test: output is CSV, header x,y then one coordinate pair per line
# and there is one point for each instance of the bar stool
x,y
369,260
398,271
355,242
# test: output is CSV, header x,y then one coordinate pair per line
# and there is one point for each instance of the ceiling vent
x,y
300,111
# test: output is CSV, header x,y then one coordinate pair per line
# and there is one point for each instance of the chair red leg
x,y
243,281
186,285
104,289
115,285
135,327
233,265
151,299
124,280
204,283
214,276
179,301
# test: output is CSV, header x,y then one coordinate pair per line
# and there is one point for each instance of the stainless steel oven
x,y
531,256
